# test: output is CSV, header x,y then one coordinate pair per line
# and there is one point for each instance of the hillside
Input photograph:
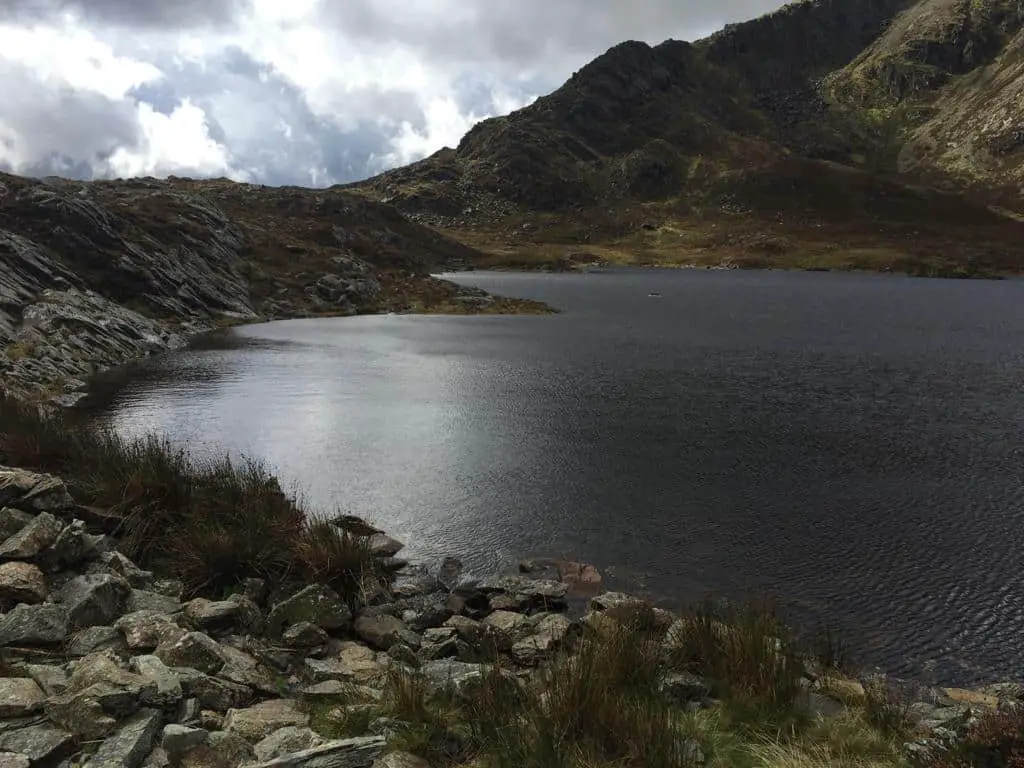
x,y
873,134
95,274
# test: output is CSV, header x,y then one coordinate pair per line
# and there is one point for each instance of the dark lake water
x,y
850,443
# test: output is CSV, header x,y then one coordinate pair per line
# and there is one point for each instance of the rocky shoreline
x,y
106,665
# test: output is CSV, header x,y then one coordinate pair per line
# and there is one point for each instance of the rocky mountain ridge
x,y
908,100
99,273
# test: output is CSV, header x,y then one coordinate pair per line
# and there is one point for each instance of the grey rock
x,y
316,604
380,631
207,615
348,753
45,624
260,720
403,654
33,492
286,741
158,758
92,639
549,635
72,546
383,545
31,540
52,679
188,711
249,617
157,602
538,590
455,675
213,721
692,753
144,630
19,696
13,520
222,750
511,603
239,667
129,746
304,635
400,760
94,599
164,687
194,650
508,628
431,615
122,566
613,599
12,760
173,588
42,743
214,694
86,713
21,583
179,739
354,663
683,687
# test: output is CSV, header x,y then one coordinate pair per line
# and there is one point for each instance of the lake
x,y
850,443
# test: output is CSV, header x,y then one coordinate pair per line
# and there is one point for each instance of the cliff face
x,y
95,274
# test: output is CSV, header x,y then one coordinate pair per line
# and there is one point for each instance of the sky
x,y
307,92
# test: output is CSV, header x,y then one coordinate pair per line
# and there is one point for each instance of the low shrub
x,y
327,554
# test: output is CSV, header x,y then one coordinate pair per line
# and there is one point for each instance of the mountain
x,y
878,134
93,274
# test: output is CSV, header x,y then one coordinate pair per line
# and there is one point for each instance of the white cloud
x,y
290,91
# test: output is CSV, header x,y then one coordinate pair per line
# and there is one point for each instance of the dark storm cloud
x,y
157,14
531,33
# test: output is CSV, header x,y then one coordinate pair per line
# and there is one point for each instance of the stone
x,y
33,492
145,630
94,599
12,760
304,635
449,673
72,546
383,545
540,592
380,631
176,740
21,583
692,753
249,616
222,750
194,650
157,602
316,604
239,667
609,599
548,636
508,628
128,747
212,721
19,697
354,663
431,615
31,540
85,713
207,615
158,758
400,760
683,687
122,566
45,624
347,753
164,686
821,706
188,711
403,654
42,743
509,603
286,741
214,694
12,521
260,720
52,679
92,639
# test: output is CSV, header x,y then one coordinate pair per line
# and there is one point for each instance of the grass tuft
x,y
344,561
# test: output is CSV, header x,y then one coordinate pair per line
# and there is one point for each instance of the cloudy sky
x,y
309,92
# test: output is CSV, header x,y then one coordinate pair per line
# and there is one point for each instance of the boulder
x,y
194,650
683,687
222,750
285,741
154,601
42,743
176,740
548,635
239,667
381,631
383,545
120,565
508,628
93,639
145,630
360,752
539,592
430,615
19,697
52,679
46,624
210,616
128,747
214,694
257,722
33,539
94,599
72,546
12,521
21,583
316,604
86,714
354,663
12,760
304,635
33,492
163,684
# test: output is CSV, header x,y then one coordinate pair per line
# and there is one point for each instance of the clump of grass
x,y
344,561
745,653
995,741
885,709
